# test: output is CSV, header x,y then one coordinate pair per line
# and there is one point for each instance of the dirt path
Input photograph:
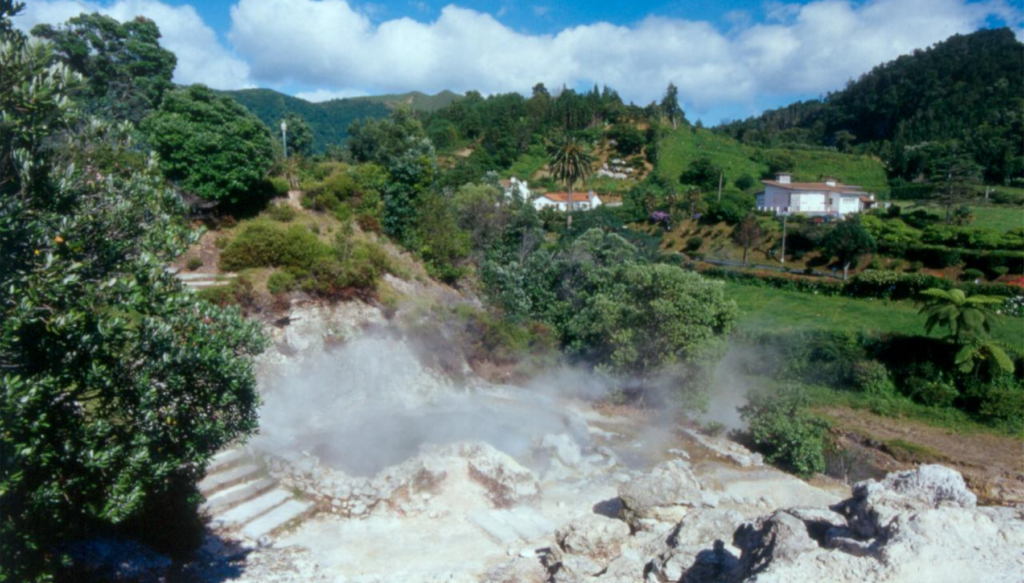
x,y
993,465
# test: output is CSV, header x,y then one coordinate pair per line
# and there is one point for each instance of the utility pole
x,y
782,256
284,138
721,174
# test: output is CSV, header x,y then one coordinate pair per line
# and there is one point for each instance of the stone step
x,y
205,284
204,276
277,518
235,495
491,523
221,480
530,524
251,509
224,460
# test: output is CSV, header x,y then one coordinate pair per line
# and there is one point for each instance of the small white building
x,y
560,201
514,187
831,197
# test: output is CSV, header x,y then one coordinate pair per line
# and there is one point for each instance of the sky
x,y
729,59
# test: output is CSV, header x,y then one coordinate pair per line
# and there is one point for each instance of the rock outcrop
x,y
664,495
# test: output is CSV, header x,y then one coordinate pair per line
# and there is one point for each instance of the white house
x,y
831,197
560,201
514,187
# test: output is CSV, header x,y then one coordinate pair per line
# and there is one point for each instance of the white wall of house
x,y
592,201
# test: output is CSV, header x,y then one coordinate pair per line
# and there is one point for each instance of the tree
x,y
209,144
670,106
968,319
747,234
628,139
117,384
570,163
954,176
782,426
744,182
127,70
847,241
965,316
702,173
779,162
299,136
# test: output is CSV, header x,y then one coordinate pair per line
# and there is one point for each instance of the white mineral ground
x,y
469,482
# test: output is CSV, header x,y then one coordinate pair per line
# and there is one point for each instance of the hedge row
x,y
867,284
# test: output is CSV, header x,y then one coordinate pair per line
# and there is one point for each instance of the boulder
x,y
507,482
518,570
592,535
664,495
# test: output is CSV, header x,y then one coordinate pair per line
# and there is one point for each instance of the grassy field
x,y
686,144
1000,218
772,309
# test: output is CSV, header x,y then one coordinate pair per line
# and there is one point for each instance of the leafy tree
x,y
628,139
117,384
209,144
779,162
747,234
847,241
127,70
745,182
298,137
954,176
570,163
964,316
442,243
701,173
782,426
670,106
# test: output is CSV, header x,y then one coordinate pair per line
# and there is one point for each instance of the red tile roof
x,y
564,196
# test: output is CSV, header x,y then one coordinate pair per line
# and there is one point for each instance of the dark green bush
x,y
194,263
871,377
263,244
694,243
282,213
281,281
280,186
971,274
781,425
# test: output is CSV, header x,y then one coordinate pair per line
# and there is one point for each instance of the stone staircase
x,y
202,280
246,504
512,526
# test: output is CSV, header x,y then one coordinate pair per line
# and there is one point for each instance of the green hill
x,y
965,95
329,120
686,144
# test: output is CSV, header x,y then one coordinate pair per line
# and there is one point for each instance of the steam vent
x,y
382,457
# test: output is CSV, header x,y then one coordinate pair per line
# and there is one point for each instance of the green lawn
x,y
686,144
772,309
1000,218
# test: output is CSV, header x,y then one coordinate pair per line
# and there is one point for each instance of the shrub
x,y
1000,271
282,213
971,274
934,392
368,223
221,242
781,426
281,282
694,243
263,244
871,377
194,263
280,185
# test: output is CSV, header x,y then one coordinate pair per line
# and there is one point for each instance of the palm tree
x,y
965,316
570,163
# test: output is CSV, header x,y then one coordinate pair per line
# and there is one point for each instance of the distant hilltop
x,y
329,120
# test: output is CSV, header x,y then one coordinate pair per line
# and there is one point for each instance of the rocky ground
x,y
404,475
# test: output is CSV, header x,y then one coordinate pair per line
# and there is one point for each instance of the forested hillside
x,y
329,120
963,96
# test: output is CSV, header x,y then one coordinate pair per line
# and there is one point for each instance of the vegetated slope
x,y
329,120
968,88
684,145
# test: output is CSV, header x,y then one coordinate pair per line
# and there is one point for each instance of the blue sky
x,y
729,59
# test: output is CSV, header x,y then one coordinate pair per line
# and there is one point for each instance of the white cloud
x,y
810,48
326,94
342,50
201,58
